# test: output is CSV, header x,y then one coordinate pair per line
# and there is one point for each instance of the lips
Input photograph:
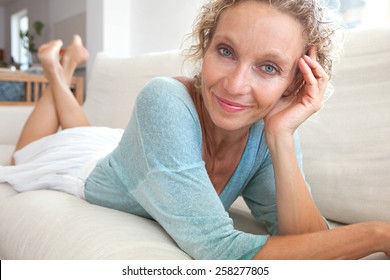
x,y
230,106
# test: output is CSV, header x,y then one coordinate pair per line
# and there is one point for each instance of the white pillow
x,y
346,149
115,83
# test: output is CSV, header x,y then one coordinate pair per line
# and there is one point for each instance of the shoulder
x,y
166,95
165,99
166,120
165,87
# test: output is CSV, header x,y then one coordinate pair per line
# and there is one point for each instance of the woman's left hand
x,y
292,110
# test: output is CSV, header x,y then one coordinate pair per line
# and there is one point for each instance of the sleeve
x,y
260,193
175,188
260,196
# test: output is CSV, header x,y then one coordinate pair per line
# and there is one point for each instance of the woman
x,y
229,131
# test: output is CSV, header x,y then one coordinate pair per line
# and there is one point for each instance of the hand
x,y
292,110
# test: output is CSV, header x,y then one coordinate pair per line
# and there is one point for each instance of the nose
x,y
237,80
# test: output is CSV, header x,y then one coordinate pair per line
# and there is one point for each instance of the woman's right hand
x,y
292,110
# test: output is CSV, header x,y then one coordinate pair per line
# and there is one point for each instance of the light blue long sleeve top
x,y
157,172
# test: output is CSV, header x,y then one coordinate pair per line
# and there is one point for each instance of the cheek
x,y
268,93
208,70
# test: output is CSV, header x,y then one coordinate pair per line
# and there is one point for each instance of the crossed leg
x,y
58,106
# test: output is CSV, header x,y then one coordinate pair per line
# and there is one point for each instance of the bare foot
x,y
48,55
74,55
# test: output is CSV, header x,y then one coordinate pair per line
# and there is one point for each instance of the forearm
x,y
297,212
348,242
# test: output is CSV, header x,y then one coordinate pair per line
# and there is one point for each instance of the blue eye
x,y
269,69
225,52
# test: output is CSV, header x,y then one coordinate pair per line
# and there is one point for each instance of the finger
x,y
317,70
312,92
313,74
307,73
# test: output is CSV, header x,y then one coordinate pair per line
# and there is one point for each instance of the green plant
x,y
28,38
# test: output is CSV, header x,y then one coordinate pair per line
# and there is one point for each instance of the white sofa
x,y
346,151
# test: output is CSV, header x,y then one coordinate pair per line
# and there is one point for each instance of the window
x,y
361,13
376,13
19,22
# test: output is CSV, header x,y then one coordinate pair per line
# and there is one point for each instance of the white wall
x,y
116,34
60,10
108,28
134,27
94,28
161,25
2,28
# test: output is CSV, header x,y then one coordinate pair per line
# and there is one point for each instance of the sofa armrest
x,y
12,121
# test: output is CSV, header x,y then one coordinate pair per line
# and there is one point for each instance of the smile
x,y
230,106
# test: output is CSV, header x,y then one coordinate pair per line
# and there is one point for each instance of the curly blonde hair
x,y
318,31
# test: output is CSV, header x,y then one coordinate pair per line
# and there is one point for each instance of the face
x,y
250,63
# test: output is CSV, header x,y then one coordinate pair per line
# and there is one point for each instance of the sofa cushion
x,y
6,191
70,228
12,121
346,148
115,83
6,152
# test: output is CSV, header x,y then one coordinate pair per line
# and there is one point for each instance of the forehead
x,y
257,26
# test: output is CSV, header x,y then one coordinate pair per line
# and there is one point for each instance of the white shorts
x,y
61,161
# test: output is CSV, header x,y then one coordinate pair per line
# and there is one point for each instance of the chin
x,y
231,123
